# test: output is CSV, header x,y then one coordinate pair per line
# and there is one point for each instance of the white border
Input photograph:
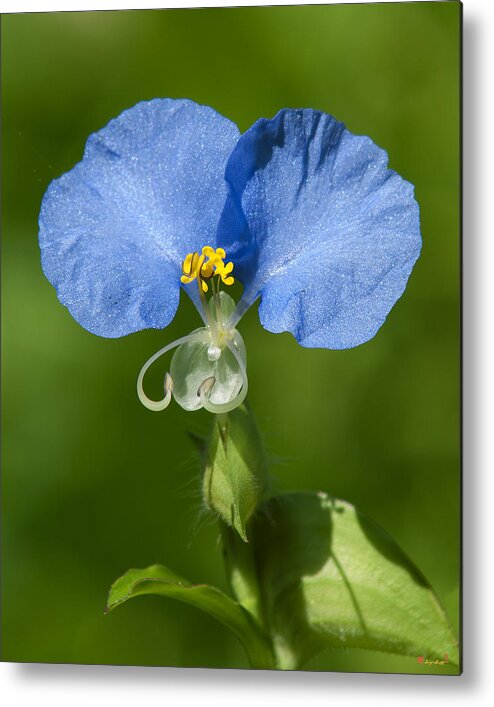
x,y
58,686
60,5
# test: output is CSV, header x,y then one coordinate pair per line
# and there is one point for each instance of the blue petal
x,y
319,227
115,229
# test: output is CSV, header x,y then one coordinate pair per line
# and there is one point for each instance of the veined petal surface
x,y
319,227
115,229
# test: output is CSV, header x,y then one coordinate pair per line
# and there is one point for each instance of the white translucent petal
x,y
191,366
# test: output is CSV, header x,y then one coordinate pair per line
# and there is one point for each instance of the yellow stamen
x,y
204,266
224,272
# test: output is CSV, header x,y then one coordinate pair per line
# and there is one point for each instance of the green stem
x,y
260,652
235,483
239,558
241,572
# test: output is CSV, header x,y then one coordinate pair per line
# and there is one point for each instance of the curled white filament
x,y
157,405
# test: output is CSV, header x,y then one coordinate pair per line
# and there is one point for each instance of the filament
x,y
247,300
209,320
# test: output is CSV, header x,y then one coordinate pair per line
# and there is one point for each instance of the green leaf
x,y
162,581
330,577
235,477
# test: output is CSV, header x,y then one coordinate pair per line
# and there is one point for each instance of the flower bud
x,y
235,479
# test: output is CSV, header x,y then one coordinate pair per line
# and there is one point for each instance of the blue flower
x,y
306,215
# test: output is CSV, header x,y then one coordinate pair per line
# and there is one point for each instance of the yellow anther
x,y
215,256
208,251
207,269
224,272
220,268
194,266
187,265
204,266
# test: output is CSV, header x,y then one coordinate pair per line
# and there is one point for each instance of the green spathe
x,y
236,477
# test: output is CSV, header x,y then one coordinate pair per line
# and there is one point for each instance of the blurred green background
x,y
92,482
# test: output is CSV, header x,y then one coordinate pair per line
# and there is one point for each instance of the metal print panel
x,y
231,337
